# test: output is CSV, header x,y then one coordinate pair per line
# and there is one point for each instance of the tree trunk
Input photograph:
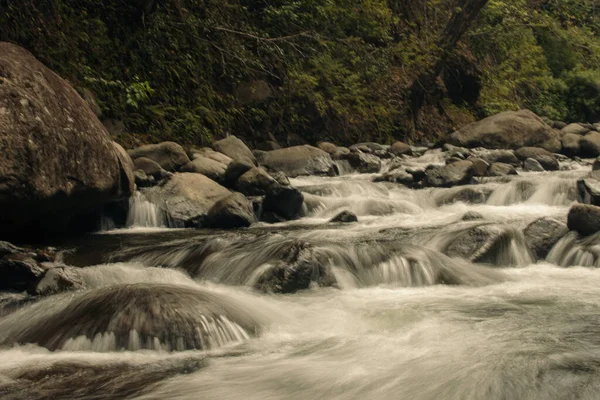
x,y
459,23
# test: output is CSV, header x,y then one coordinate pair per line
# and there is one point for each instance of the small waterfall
x,y
143,213
572,251
133,317
343,167
552,191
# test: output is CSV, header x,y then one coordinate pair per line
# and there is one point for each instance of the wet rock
x,y
452,160
255,182
259,155
457,152
383,154
458,173
368,147
169,155
501,169
235,170
398,176
235,149
284,202
327,147
590,145
478,244
59,279
233,211
571,144
298,161
281,178
532,165
143,181
187,197
400,148
7,248
150,168
575,129
508,130
127,177
471,216
542,234
58,161
544,157
596,165
19,272
584,218
206,166
340,152
345,217
475,194
363,163
588,189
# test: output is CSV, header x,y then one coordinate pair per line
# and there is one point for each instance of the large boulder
x,y
298,161
508,130
57,160
210,153
233,211
588,189
235,149
187,197
584,218
571,144
458,173
255,182
127,177
327,147
169,155
206,166
532,165
492,156
542,234
590,145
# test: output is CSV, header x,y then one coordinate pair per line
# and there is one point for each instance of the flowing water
x,y
392,312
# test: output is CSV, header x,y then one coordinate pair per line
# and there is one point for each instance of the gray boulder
x,y
471,216
235,170
542,234
169,155
584,218
508,130
298,161
588,189
150,168
187,197
235,149
209,153
458,173
206,166
596,165
492,156
58,161
282,202
327,147
544,157
480,166
233,211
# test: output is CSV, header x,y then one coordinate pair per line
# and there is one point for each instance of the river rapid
x,y
172,313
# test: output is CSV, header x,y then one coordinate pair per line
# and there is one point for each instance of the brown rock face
x,y
57,158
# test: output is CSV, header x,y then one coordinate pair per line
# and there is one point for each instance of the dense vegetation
x,y
293,70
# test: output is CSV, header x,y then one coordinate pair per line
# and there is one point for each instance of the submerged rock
x,y
169,155
584,218
58,160
298,161
542,234
345,217
471,216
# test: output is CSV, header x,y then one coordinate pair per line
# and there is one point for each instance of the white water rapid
x,y
433,294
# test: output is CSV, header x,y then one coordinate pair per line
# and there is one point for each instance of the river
x,y
171,313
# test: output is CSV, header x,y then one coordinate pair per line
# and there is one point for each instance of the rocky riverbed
x,y
246,270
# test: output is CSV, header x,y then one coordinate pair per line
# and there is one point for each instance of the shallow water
x,y
172,313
